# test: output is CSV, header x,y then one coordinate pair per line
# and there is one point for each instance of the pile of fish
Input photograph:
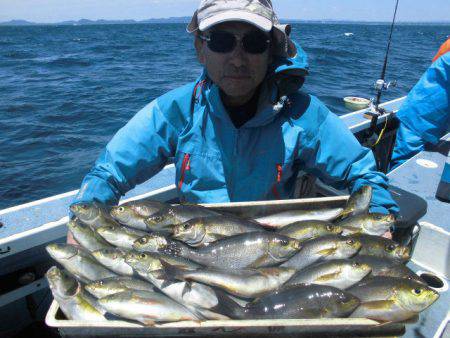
x,y
152,262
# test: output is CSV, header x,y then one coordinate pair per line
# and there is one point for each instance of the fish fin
x,y
171,271
261,261
228,307
376,304
149,322
346,213
412,320
160,274
327,277
187,288
166,283
326,252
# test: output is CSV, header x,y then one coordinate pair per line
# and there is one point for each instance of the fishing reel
x,y
381,85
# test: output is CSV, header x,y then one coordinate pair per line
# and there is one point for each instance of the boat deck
x,y
421,175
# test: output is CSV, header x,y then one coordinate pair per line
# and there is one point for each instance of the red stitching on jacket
x,y
184,166
279,176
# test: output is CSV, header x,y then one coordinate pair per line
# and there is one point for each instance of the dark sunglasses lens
x,y
221,42
255,42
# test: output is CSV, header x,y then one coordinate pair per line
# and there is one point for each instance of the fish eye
x,y
121,209
356,264
417,291
390,247
143,240
284,242
83,206
330,227
350,242
143,255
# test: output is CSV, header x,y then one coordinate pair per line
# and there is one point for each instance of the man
x,y
425,114
243,130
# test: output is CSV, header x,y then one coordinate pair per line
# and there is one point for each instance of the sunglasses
x,y
255,42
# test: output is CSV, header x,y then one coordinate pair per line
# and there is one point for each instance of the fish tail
x,y
229,307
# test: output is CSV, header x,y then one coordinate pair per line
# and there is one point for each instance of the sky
x,y
50,11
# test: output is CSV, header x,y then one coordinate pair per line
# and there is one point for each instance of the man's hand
x,y
388,235
70,239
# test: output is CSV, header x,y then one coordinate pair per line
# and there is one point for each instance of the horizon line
x,y
113,21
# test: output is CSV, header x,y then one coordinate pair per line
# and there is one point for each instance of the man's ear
x,y
199,48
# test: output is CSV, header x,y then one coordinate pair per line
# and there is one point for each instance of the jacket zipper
x,y
186,165
279,176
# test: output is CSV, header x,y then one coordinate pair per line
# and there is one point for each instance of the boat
x,y
26,229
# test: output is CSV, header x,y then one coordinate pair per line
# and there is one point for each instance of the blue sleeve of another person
x,y
425,114
336,157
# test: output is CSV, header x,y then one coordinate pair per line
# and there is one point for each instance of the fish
x,y
158,242
78,262
120,236
305,230
199,298
176,214
110,286
249,250
114,260
382,247
73,301
151,261
93,214
392,299
358,203
303,301
388,268
133,214
371,224
323,248
284,218
202,231
87,237
340,273
245,283
146,307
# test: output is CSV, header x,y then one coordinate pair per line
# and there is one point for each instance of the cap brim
x,y
240,16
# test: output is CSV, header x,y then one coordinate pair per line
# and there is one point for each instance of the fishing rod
x,y
380,86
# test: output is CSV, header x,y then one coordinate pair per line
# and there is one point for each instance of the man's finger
x,y
388,235
70,239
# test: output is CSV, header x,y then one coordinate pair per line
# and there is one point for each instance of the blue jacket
x,y
425,115
215,162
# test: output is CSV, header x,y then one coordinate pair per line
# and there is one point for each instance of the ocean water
x,y
65,90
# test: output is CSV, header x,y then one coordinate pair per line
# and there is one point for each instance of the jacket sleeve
x,y
334,155
425,114
136,153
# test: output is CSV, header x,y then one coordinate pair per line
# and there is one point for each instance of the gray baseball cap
x,y
259,13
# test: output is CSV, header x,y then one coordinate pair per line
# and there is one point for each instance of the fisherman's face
x,y
237,73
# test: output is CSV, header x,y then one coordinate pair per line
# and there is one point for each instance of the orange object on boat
x,y
445,48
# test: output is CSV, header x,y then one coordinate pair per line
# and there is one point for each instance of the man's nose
x,y
239,56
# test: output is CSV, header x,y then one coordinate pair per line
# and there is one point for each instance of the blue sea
x,y
65,90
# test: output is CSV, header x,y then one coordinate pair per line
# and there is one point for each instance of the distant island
x,y
81,22
186,19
